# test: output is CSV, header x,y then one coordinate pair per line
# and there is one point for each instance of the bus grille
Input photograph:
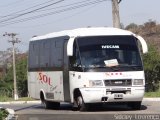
x,y
118,82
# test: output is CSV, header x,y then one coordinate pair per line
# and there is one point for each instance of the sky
x,y
95,15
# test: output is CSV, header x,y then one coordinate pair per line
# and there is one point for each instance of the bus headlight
x,y
95,83
138,82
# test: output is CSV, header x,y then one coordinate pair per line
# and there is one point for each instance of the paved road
x,y
149,110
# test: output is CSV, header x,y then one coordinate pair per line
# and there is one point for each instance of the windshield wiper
x,y
135,67
115,68
124,66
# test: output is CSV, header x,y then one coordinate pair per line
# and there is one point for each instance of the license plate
x,y
118,96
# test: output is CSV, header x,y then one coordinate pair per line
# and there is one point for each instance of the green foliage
x,y
152,68
150,31
7,99
3,114
152,94
21,75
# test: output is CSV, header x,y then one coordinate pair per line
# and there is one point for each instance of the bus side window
x,y
34,55
44,53
59,52
56,54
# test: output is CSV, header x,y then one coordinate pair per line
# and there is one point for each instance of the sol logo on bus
x,y
44,79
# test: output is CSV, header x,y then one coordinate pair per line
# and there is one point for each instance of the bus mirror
x,y
143,44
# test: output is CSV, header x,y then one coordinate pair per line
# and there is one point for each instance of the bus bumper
x,y
98,95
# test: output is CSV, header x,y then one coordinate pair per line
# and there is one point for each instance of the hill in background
x,y
150,31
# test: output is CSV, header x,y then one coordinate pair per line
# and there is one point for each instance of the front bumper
x,y
98,95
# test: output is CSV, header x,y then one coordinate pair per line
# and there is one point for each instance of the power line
x,y
65,5
42,10
31,11
63,18
47,14
55,12
16,13
11,14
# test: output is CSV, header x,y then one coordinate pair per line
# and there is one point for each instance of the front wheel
x,y
81,105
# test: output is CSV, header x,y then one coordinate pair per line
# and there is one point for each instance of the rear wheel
x,y
45,104
49,104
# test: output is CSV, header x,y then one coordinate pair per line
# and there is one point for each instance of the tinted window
x,y
46,54
97,51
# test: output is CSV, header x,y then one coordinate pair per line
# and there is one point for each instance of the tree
x,y
152,68
22,77
131,26
21,73
150,28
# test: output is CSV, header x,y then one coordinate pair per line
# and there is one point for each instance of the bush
x,y
152,69
3,113
21,75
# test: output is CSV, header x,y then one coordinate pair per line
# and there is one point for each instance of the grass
x,y
7,99
152,94
26,99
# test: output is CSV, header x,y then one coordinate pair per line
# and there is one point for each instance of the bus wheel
x,y
81,105
45,104
50,105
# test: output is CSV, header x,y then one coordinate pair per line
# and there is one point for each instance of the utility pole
x,y
115,13
13,41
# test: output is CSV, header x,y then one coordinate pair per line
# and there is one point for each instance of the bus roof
x,y
91,31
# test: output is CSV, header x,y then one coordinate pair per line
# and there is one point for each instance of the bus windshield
x,y
108,51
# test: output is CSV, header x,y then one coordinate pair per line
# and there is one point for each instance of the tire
x,y
81,105
135,105
46,104
50,105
